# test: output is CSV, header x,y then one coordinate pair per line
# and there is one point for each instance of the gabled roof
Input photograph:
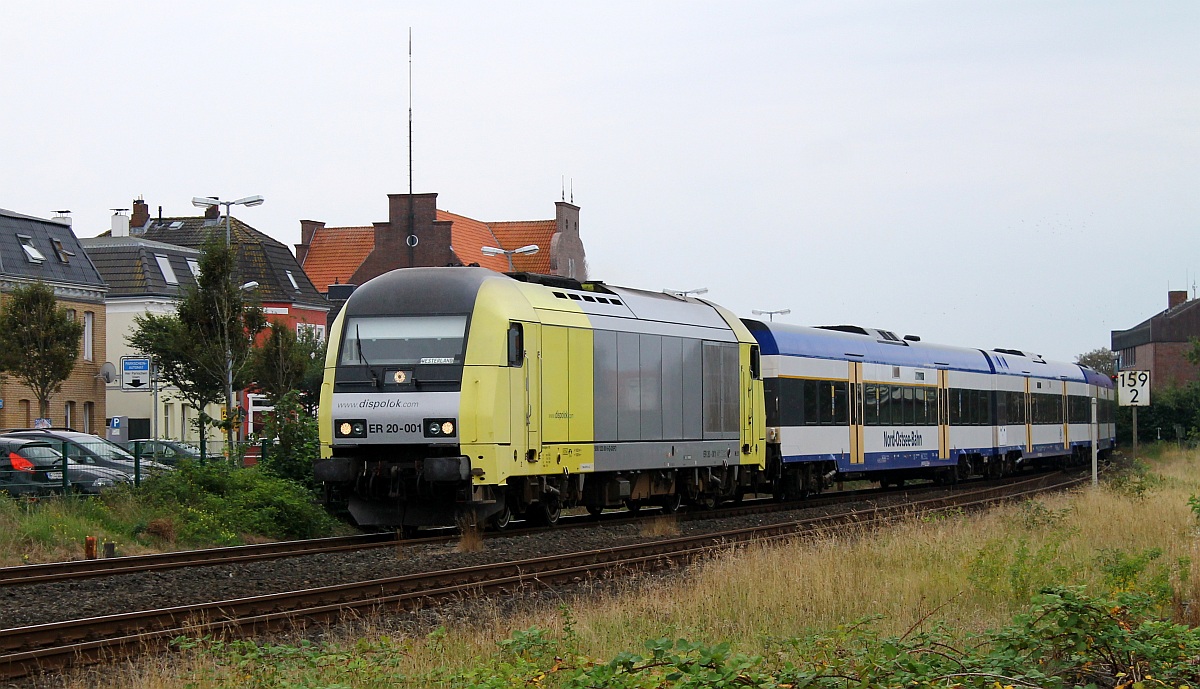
x,y
334,253
1176,324
133,267
62,260
259,257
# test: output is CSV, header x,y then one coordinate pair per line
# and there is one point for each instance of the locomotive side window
x,y
516,345
755,363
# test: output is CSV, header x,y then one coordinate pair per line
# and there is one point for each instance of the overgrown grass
x,y
194,506
1068,590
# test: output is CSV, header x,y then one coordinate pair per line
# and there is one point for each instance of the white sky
x,y
990,174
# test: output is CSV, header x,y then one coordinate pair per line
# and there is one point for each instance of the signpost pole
x,y
1135,432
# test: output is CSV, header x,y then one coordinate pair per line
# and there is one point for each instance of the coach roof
x,y
794,340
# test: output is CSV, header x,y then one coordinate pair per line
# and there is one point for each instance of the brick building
x,y
1159,343
353,255
37,250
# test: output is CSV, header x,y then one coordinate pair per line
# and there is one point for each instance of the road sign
x,y
1134,388
135,374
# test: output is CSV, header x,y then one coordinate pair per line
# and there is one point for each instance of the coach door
x,y
1028,420
943,397
857,453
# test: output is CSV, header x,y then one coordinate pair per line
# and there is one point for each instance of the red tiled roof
x,y
334,253
519,233
467,236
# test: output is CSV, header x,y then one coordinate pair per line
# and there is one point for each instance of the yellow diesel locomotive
x,y
453,392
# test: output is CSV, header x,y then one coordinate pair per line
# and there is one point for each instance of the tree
x,y
1101,360
39,341
213,328
289,361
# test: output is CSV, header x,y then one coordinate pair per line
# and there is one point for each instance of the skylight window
x,y
164,264
292,279
31,253
194,266
64,256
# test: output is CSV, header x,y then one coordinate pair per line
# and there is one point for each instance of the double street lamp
x,y
685,293
771,314
205,202
527,250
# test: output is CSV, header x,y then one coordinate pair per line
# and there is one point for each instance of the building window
x,y
168,410
194,266
26,410
31,253
69,415
89,320
89,411
64,256
164,264
183,421
315,329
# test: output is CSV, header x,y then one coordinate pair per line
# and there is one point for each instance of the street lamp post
x,y
205,202
771,314
527,250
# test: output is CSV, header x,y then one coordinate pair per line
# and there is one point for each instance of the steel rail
x,y
25,650
21,575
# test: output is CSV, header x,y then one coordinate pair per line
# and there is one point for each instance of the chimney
x,y
307,229
141,213
212,212
62,218
1176,297
120,223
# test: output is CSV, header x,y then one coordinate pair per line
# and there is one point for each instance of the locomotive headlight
x,y
439,428
350,428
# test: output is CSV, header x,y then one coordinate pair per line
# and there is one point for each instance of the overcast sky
x,y
989,174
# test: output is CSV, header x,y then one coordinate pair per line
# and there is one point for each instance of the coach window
x,y
791,401
985,407
812,416
870,405
839,394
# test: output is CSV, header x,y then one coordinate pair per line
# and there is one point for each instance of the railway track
x,y
132,564
27,650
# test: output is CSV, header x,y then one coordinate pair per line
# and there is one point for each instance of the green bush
x,y
218,503
293,443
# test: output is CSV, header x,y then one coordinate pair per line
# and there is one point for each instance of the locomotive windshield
x,y
411,340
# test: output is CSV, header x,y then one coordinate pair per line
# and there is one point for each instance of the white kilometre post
x,y
1095,447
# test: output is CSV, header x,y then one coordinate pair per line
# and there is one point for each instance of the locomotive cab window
x,y
409,340
755,363
516,345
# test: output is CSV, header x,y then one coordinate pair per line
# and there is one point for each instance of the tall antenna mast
x,y
411,240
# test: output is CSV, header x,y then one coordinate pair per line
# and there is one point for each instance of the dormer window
x,y
164,264
31,253
64,256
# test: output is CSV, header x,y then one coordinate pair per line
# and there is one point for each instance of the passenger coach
x,y
845,402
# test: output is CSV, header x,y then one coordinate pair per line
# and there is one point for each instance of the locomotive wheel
x,y
672,503
632,506
546,514
502,519
594,510
708,501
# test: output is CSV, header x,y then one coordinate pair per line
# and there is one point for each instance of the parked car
x,y
34,467
89,449
169,452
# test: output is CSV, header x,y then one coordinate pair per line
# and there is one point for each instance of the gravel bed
x,y
22,605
